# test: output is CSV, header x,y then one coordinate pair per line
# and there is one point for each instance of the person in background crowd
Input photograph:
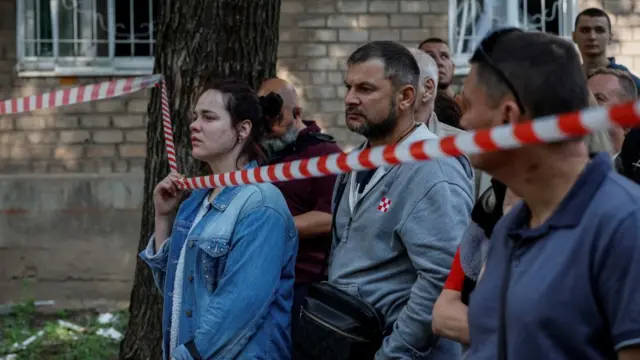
x,y
447,109
397,227
225,262
290,138
598,141
426,95
611,87
450,313
426,98
438,49
593,35
630,155
561,278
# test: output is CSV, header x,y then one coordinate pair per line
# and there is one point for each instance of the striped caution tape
x,y
541,130
94,92
77,95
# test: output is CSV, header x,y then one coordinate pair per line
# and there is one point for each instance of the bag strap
x,y
341,186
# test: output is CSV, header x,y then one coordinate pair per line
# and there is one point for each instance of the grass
x,y
58,342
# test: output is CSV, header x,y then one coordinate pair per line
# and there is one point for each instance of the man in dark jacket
x,y
309,200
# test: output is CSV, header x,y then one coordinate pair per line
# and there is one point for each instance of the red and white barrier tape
x,y
541,130
94,92
76,95
168,130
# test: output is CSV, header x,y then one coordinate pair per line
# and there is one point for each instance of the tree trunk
x,y
229,38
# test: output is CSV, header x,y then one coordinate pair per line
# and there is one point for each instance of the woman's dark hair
x,y
242,103
447,109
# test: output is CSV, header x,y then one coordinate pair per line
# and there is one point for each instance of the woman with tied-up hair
x,y
224,258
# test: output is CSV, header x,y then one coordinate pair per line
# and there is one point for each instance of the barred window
x,y
86,37
465,17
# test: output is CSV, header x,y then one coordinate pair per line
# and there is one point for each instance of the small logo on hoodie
x,y
384,205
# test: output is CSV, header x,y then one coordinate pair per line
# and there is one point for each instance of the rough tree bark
x,y
231,38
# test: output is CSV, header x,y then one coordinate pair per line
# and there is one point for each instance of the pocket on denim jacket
x,y
213,260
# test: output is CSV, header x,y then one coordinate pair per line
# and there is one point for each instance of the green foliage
x,y
57,342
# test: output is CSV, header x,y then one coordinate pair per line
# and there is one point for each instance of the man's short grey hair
x,y
625,79
428,66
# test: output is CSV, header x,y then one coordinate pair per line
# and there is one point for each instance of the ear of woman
x,y
244,130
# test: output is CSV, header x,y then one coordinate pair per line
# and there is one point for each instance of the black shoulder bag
x,y
336,325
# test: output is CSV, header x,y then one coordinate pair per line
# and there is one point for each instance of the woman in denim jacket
x,y
225,262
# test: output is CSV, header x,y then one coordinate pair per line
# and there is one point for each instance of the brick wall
x,y
625,19
100,137
315,39
106,136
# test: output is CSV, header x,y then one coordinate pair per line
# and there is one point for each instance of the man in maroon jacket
x,y
309,200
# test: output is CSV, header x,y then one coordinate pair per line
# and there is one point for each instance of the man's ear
x,y
573,37
510,112
429,90
407,97
297,112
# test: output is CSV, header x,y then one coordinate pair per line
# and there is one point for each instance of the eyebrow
x,y
588,27
362,83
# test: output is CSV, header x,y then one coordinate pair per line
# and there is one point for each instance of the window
x,y
86,37
467,18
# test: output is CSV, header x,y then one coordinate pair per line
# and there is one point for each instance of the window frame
x,y
568,10
88,66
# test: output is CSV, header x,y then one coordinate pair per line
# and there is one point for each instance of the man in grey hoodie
x,y
397,227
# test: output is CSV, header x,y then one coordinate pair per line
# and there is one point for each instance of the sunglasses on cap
x,y
484,54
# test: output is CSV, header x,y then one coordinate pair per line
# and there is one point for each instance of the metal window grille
x,y
86,37
553,16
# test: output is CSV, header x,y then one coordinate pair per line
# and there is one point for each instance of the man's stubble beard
x,y
378,130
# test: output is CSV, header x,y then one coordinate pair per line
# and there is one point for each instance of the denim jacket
x,y
237,278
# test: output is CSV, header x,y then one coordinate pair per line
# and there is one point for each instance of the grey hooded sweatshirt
x,y
396,242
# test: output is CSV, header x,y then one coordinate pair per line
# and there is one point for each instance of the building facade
x,y
71,178
49,44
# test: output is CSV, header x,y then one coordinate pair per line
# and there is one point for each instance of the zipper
x,y
345,236
329,326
